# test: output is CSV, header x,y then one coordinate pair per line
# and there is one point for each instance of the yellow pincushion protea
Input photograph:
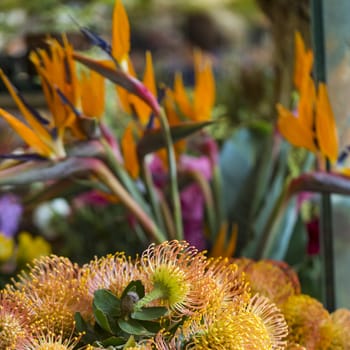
x,y
170,274
308,321
226,285
259,325
50,291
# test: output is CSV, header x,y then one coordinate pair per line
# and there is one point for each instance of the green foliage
x,y
118,322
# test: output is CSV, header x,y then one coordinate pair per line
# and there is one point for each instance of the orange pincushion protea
x,y
14,321
341,329
113,272
50,291
52,341
272,279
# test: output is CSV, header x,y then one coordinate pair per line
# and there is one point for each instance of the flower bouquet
x,y
164,172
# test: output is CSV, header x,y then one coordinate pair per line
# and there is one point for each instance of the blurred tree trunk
x,y
286,16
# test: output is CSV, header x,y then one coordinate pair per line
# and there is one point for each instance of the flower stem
x,y
172,174
105,175
326,205
155,294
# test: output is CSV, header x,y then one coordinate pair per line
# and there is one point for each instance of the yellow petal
x,y
294,131
30,137
325,125
120,32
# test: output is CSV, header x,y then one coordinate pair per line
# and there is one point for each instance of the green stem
x,y
152,194
217,194
174,190
155,294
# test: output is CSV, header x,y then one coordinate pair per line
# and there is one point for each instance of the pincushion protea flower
x,y
268,278
225,286
341,329
15,332
50,291
170,273
308,322
112,272
52,341
258,325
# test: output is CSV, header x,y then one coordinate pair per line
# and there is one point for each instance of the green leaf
x,y
113,341
149,313
153,140
102,319
247,149
80,324
107,302
134,286
153,327
83,327
133,327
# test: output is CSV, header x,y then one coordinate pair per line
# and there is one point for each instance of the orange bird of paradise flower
x,y
312,126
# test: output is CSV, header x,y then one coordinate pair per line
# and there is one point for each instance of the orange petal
x,y
120,32
32,121
306,103
303,61
232,243
326,128
181,97
130,152
294,131
204,91
27,134
92,87
143,111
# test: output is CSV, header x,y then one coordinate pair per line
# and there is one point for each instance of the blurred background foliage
x,y
251,44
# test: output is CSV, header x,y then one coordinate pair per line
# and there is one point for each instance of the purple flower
x,y
10,214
